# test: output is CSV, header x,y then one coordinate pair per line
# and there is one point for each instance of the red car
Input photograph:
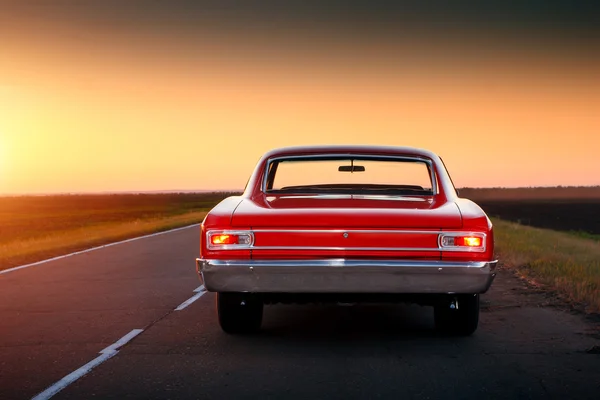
x,y
347,224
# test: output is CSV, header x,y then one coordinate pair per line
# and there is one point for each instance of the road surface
x,y
57,317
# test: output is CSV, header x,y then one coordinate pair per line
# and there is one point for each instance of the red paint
x,y
311,212
348,238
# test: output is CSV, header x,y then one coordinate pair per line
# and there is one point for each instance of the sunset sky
x,y
103,97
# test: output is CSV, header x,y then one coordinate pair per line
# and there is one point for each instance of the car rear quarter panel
x,y
474,220
220,218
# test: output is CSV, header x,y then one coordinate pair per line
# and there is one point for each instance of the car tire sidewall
x,y
462,321
239,312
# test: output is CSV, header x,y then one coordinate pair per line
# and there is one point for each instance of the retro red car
x,y
347,224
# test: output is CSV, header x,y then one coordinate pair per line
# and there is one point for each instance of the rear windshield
x,y
394,176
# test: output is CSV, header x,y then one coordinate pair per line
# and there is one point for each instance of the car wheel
x,y
457,315
239,312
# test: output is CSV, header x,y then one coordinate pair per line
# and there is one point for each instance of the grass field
x,y
560,261
33,228
565,254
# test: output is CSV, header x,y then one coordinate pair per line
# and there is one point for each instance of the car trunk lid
x,y
349,211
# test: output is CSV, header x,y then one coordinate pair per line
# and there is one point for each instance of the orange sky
x,y
120,112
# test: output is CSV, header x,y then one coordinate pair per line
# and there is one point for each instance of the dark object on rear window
x,y
351,168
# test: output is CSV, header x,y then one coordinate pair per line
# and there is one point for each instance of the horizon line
x,y
191,191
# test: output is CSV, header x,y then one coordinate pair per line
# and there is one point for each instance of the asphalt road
x,y
56,317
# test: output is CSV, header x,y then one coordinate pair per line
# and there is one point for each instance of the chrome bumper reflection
x,y
345,276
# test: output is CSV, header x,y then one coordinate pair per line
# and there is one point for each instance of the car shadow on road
x,y
361,322
358,330
348,320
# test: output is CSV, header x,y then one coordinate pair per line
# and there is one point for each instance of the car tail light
x,y
462,241
229,240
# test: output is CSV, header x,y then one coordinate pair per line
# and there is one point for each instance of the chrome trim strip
x,y
361,156
354,197
343,262
433,232
345,248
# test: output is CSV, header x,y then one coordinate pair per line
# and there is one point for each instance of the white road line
x,y
191,299
122,342
200,288
72,377
94,248
105,354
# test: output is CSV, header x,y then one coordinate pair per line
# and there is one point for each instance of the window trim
x,y
269,176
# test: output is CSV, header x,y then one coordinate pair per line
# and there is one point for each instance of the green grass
x,y
560,261
34,228
586,235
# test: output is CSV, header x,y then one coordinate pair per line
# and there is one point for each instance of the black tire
x,y
460,321
239,312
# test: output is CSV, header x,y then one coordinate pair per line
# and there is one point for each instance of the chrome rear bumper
x,y
345,276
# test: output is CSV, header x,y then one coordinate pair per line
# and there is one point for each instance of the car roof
x,y
349,149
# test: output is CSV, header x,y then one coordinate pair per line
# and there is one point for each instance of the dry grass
x,y
22,251
556,260
34,228
29,217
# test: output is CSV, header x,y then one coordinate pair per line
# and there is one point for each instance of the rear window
x,y
401,176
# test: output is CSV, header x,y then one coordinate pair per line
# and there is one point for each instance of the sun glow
x,y
3,159
156,115
4,143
